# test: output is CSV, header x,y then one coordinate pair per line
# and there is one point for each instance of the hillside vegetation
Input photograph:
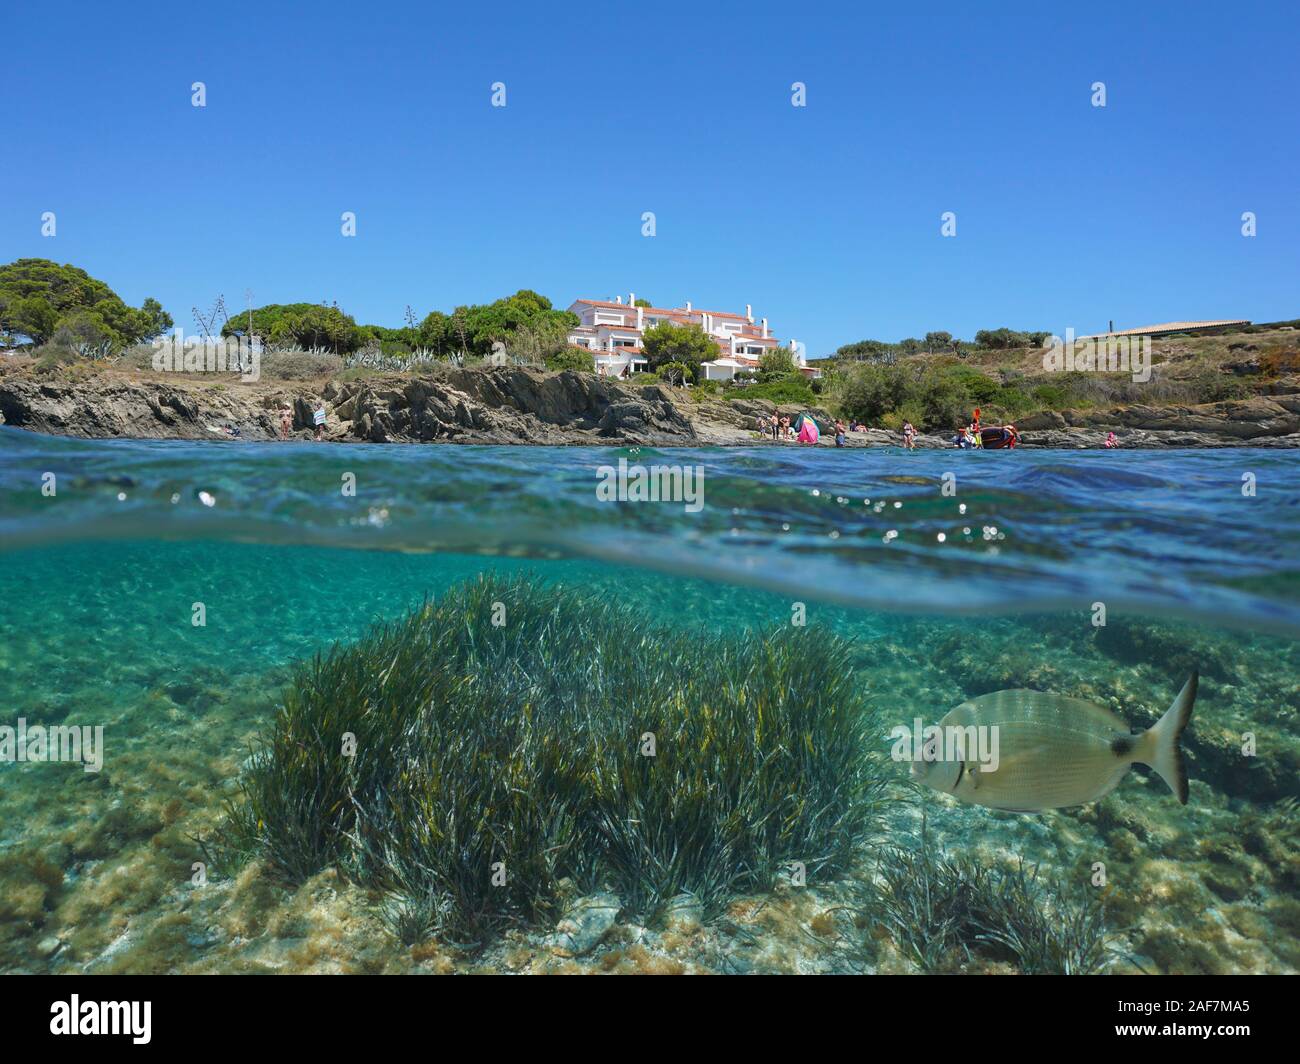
x,y
63,321
938,391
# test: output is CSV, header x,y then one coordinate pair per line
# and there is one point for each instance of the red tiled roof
x,y
604,303
661,310
712,313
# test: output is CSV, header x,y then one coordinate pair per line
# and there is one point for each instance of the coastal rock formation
x,y
586,923
507,406
503,405
1262,421
510,406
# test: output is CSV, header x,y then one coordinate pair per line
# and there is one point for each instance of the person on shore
x,y
1111,441
909,436
318,415
976,439
786,430
286,421
774,427
840,433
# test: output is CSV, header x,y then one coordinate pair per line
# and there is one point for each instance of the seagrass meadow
x,y
474,720
472,756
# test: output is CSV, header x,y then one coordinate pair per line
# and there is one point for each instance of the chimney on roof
x,y
749,313
1112,326
764,328
618,300
631,299
688,306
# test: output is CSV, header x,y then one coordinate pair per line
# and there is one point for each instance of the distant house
x,y
613,331
1173,327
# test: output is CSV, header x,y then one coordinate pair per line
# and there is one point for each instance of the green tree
x,y
688,344
36,295
938,341
85,332
572,358
311,326
155,321
485,324
1002,339
866,351
676,373
777,364
267,320
434,334
31,316
538,340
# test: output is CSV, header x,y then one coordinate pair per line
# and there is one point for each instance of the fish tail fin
x,y
1160,746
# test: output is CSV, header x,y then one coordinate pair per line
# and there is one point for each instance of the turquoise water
x,y
101,580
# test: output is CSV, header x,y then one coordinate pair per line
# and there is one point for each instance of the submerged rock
x,y
586,923
685,912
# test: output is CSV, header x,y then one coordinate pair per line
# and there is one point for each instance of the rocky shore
x,y
495,406
523,406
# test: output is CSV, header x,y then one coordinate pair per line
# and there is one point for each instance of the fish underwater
x,y
1050,752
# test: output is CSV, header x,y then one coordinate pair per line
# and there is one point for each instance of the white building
x,y
612,331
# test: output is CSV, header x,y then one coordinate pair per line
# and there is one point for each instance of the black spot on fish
x,y
1121,745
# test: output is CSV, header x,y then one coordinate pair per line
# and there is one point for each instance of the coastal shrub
x,y
571,358
945,398
573,739
1010,404
1052,396
785,390
1215,386
676,373
867,392
51,356
980,388
936,397
777,364
300,365
909,411
943,911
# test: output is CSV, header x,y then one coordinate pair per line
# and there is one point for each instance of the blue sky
x,y
826,218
